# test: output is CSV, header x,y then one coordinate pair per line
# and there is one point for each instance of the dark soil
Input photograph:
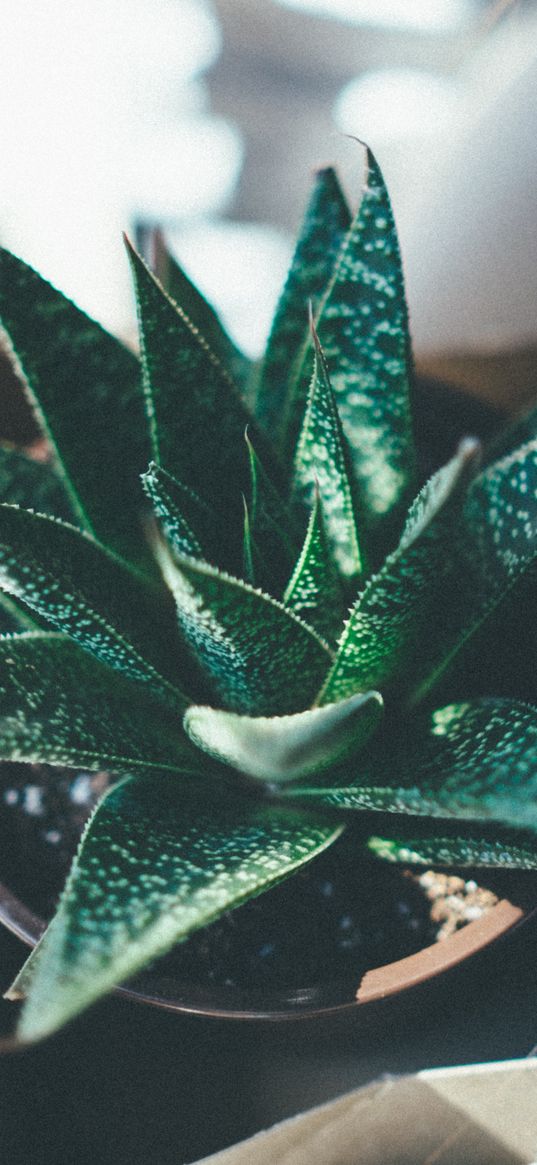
x,y
341,915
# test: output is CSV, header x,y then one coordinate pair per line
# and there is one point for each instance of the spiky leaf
x,y
285,748
204,317
186,388
508,850
152,868
314,589
60,706
187,522
363,328
272,528
86,389
473,761
261,659
33,484
91,595
325,222
321,461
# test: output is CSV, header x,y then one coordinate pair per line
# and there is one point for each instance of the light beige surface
x,y
478,1115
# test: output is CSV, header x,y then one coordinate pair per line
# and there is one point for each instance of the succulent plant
x,y
227,588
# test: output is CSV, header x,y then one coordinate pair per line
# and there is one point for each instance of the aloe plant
x,y
243,612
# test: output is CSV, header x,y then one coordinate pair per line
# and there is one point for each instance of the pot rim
x,y
335,997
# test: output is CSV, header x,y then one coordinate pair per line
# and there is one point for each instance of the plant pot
x,y
443,416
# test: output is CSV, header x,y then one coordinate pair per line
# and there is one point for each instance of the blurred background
x,y
208,117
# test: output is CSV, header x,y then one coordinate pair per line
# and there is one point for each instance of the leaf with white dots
x,y
197,417
92,595
506,850
60,706
363,328
321,462
314,590
200,312
258,656
188,523
272,528
475,761
325,222
87,392
392,629
151,869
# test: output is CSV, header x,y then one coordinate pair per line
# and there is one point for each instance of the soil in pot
x,y
339,917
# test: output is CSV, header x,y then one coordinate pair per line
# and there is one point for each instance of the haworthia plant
x,y
256,649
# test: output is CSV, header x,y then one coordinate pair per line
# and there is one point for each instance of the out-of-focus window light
x,y
104,117
392,105
421,15
241,269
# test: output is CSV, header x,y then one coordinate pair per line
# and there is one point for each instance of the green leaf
x,y
58,705
188,523
33,485
151,869
314,589
85,387
363,328
285,748
201,313
272,528
187,391
325,222
260,658
90,594
472,761
389,635
509,851
321,460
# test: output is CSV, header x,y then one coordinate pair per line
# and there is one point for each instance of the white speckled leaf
x,y
152,868
188,523
325,222
363,328
506,850
321,461
204,317
260,658
389,633
196,414
86,388
91,595
285,748
273,528
473,761
314,589
60,706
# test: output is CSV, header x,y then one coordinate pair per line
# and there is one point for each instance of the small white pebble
x,y
11,796
470,886
472,913
80,791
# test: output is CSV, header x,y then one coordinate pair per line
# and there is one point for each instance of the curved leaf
x,y
33,484
473,761
187,391
510,851
94,597
188,523
259,657
325,222
314,589
285,748
150,870
58,705
85,387
321,462
201,313
363,328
